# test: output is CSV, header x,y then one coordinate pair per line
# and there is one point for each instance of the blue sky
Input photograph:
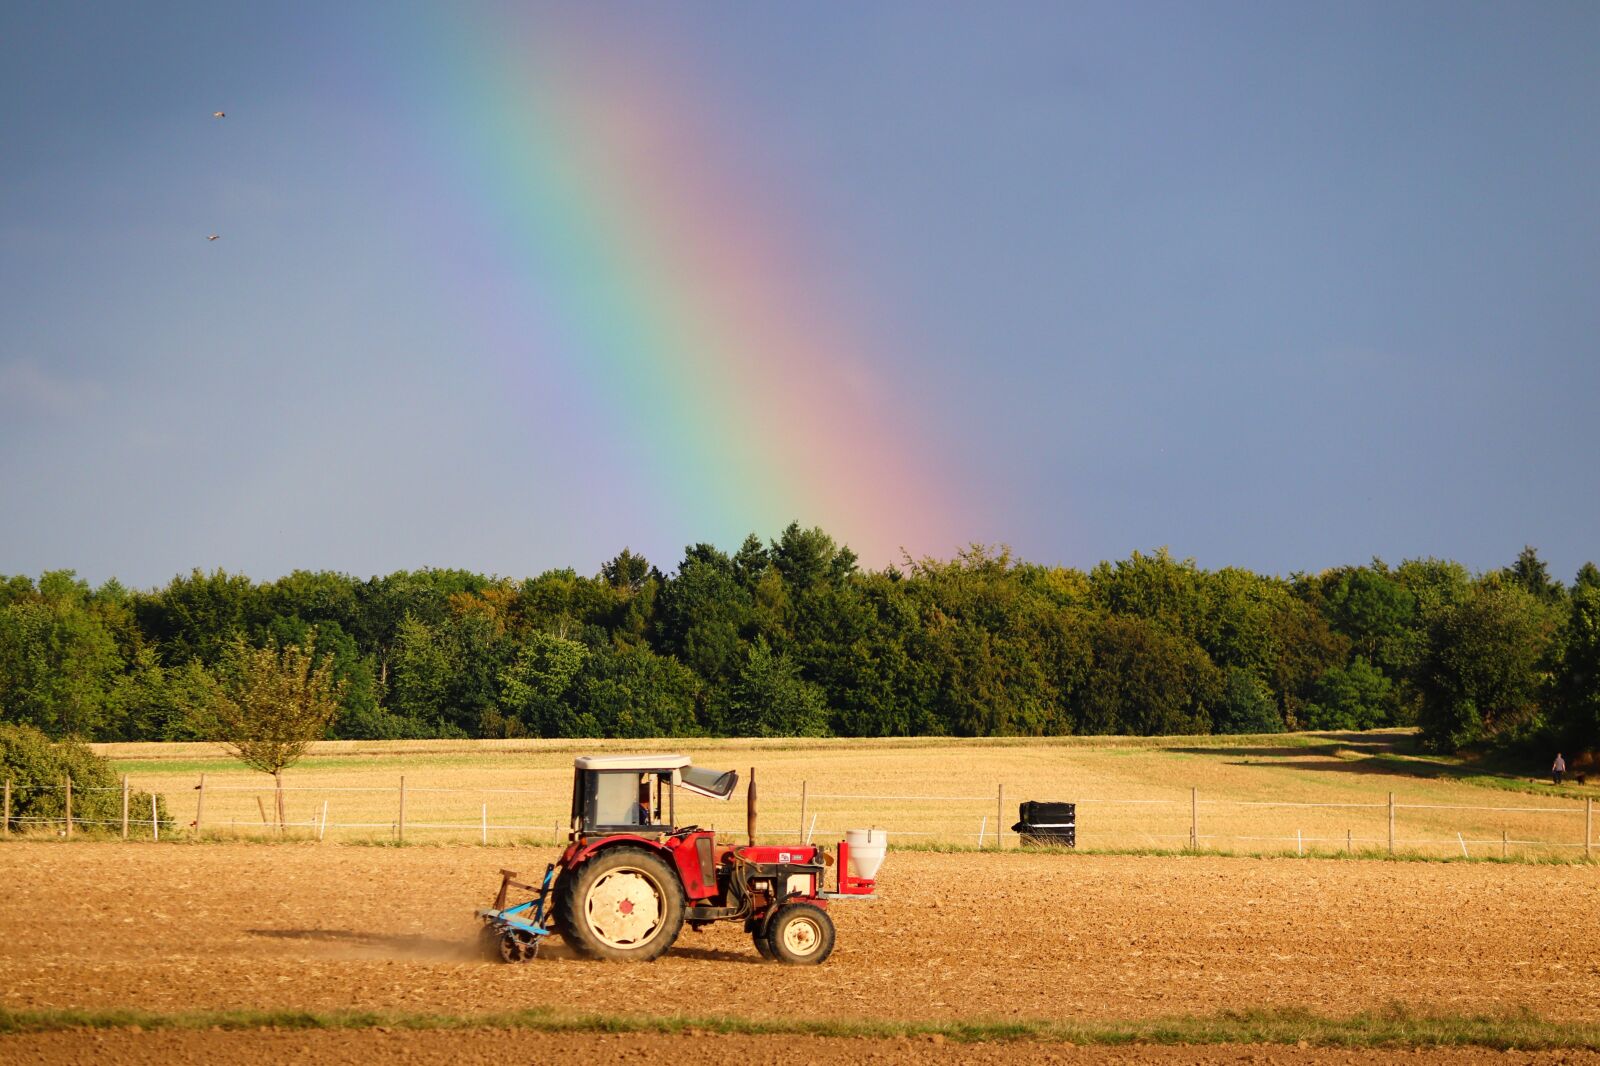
x,y
1276,285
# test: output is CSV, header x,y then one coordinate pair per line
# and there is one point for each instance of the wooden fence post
x,y
1502,843
402,822
69,806
1588,826
1391,823
1000,818
5,820
124,806
486,823
1194,818
200,807
802,812
1347,842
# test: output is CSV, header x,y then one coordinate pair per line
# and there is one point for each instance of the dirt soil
x,y
494,1048
975,937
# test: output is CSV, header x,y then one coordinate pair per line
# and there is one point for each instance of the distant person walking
x,y
1559,768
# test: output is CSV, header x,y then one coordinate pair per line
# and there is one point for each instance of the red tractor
x,y
630,876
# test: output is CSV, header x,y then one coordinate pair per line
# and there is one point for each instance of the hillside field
x,y
1252,794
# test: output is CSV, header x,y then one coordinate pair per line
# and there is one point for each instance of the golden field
x,y
1251,794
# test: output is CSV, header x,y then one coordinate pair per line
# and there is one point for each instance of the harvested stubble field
x,y
1133,792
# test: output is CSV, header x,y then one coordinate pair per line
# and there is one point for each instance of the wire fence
x,y
403,812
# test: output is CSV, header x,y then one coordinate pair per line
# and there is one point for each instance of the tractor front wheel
x,y
624,904
800,934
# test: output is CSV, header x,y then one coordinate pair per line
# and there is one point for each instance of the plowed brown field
x,y
496,1048
971,937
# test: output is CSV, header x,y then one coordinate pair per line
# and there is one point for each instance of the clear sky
x,y
510,287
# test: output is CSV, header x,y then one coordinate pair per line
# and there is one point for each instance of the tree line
x,y
793,638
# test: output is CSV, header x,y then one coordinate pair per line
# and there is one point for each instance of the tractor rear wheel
x,y
624,904
800,934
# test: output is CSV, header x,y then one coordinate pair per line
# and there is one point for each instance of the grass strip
x,y
1394,1027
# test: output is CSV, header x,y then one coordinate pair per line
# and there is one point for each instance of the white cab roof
x,y
631,762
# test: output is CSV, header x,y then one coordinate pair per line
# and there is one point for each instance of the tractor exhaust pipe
x,y
750,808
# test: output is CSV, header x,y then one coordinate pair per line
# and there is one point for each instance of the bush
x,y
37,768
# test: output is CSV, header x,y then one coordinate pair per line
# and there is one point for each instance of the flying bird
x,y
219,114
213,237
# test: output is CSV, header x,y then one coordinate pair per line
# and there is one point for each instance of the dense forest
x,y
792,637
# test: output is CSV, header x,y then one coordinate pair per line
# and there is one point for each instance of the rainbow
x,y
658,283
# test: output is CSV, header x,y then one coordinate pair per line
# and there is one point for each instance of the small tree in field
x,y
271,704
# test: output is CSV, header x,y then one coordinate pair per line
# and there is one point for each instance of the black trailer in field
x,y
1049,824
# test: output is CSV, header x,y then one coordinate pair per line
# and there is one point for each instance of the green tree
x,y
1436,585
446,677
58,660
1357,696
1576,714
199,616
751,561
1533,575
1483,671
851,640
1305,647
535,696
769,698
633,692
1147,681
1377,613
1156,587
628,571
806,557
700,615
1245,705
1238,626
269,704
312,598
155,702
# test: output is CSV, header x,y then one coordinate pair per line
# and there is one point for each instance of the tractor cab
x,y
637,794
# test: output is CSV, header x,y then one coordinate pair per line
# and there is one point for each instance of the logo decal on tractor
x,y
783,856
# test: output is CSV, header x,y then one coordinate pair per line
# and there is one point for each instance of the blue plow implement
x,y
514,933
